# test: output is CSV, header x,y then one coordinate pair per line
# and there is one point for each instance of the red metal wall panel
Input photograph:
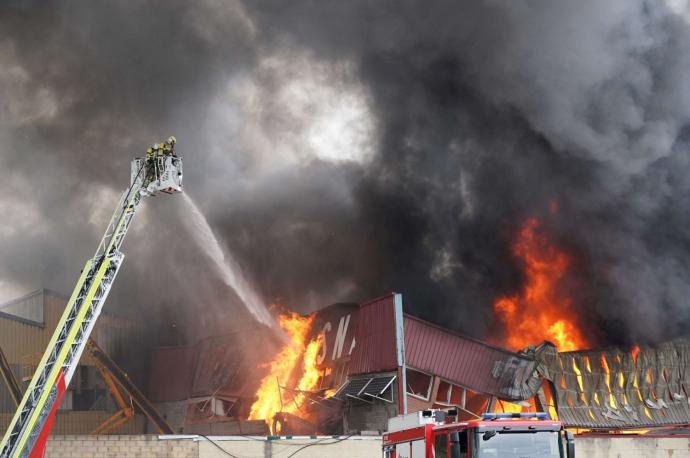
x,y
457,359
432,349
375,347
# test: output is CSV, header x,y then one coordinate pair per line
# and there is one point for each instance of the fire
x,y
296,359
509,407
330,392
540,311
607,379
635,352
310,373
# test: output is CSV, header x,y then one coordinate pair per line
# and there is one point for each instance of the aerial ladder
x,y
160,170
124,391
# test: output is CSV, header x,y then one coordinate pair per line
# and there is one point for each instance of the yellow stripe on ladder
x,y
62,356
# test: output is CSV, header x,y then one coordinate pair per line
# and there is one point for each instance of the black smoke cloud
x,y
345,149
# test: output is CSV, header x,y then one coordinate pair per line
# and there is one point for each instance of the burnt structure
x,y
614,389
437,367
207,388
376,361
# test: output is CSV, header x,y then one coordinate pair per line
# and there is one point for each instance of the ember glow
x,y
508,407
540,311
635,352
294,368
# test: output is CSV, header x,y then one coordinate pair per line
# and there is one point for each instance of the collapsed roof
x,y
616,389
596,389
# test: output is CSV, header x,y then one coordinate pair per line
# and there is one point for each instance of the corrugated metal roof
x,y
612,389
467,362
26,309
220,370
220,365
375,347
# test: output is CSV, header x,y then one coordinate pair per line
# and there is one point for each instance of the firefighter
x,y
170,146
151,154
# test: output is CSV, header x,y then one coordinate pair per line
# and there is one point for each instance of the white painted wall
x,y
632,447
354,447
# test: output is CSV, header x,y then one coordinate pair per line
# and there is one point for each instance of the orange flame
x,y
285,368
540,311
635,352
508,407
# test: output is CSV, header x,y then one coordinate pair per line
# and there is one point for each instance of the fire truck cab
x,y
437,434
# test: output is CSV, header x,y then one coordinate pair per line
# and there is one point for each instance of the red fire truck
x,y
437,434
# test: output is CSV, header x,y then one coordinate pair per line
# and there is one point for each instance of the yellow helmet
x,y
172,140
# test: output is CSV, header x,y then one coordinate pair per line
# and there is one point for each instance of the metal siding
x,y
457,359
29,307
375,350
434,350
84,422
23,341
20,340
7,403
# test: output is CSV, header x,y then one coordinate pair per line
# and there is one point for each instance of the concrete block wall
x,y
632,447
354,447
141,446
368,417
362,416
138,446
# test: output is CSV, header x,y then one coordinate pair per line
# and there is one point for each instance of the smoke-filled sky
x,y
343,150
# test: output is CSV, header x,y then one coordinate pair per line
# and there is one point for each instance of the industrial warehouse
x,y
348,370
365,351
345,229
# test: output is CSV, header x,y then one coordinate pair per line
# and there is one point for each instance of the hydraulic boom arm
x,y
10,379
110,369
159,170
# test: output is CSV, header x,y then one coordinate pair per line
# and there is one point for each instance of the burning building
x,y
208,387
349,367
614,389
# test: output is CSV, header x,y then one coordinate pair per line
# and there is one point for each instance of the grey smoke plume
x,y
346,149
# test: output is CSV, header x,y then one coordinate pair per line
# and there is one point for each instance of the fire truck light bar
x,y
500,416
